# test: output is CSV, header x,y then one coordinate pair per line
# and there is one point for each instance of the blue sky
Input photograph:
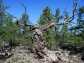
x,y
35,7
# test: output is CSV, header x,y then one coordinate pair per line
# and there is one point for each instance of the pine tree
x,y
46,16
57,19
2,11
80,22
24,21
65,27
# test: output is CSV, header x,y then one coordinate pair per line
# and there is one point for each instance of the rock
x,y
22,55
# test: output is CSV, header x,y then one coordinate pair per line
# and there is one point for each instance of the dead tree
x,y
74,12
38,39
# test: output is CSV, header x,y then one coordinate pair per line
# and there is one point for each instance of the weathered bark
x,y
38,40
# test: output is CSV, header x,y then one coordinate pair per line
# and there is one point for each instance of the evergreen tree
x,y
2,12
80,22
57,19
65,27
45,18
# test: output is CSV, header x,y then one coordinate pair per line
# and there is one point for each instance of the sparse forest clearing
x,y
57,36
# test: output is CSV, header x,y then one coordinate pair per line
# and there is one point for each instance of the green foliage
x,y
10,31
81,9
57,18
46,16
49,34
